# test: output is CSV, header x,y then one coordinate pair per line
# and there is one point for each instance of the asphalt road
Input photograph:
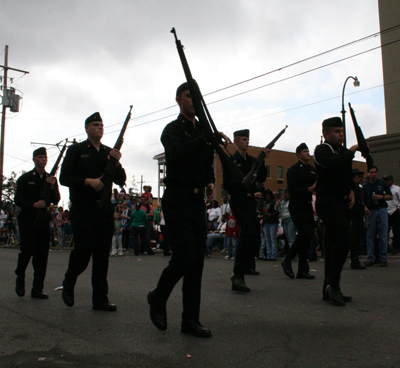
x,y
280,323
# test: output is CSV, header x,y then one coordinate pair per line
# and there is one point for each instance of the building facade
x,y
278,163
385,148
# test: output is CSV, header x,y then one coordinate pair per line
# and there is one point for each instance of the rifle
x,y
108,177
233,177
41,217
252,175
362,144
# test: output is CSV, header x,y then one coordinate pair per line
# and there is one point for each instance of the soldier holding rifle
x,y
335,198
243,205
301,179
82,171
35,239
189,173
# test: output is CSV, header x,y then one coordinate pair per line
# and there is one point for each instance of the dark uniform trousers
x,y
244,210
394,224
93,230
356,231
304,222
187,232
335,214
34,244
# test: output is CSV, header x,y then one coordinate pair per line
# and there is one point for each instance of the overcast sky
x,y
87,56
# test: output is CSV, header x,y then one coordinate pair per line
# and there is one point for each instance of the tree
x,y
9,188
134,190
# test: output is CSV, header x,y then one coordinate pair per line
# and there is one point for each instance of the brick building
x,y
277,164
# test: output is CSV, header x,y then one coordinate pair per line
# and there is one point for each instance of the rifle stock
x,y
108,177
362,143
41,217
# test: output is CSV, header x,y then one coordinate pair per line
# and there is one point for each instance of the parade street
x,y
282,322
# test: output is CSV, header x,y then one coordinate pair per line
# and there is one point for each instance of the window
x,y
280,172
268,167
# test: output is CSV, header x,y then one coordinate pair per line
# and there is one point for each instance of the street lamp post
x,y
356,83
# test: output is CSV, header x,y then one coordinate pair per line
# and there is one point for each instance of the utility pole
x,y
3,118
141,184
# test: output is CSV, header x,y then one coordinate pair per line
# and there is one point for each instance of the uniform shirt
x,y
394,204
245,163
84,161
29,188
300,177
189,157
334,171
379,187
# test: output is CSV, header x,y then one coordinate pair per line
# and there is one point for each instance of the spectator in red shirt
x,y
232,234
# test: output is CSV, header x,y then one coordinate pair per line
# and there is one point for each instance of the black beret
x,y
332,122
357,172
242,133
182,87
301,147
94,117
40,151
387,177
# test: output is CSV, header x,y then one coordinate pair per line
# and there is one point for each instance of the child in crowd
x,y
147,193
232,234
117,237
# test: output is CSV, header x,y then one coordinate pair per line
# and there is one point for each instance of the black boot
x,y
68,294
158,311
20,286
238,284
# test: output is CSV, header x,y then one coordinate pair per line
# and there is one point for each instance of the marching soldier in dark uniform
x,y
357,221
35,240
301,184
82,171
243,205
335,197
189,171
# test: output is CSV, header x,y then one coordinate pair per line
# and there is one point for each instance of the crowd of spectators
x,y
141,228
380,232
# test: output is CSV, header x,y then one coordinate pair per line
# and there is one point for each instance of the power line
x,y
373,35
266,85
243,121
308,58
263,86
283,111
265,74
